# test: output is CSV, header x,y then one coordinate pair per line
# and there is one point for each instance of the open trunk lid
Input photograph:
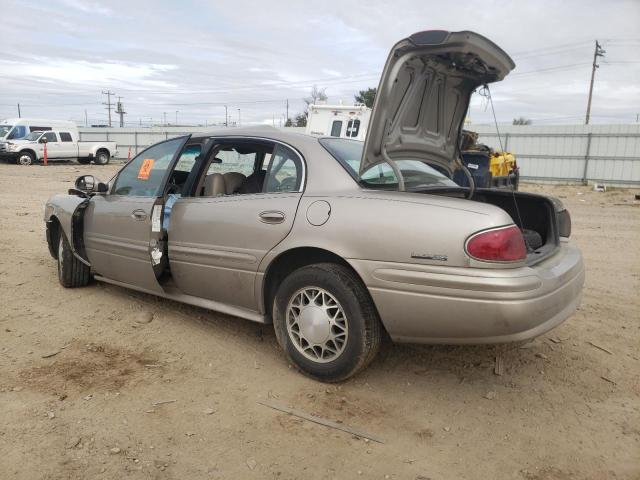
x,y
424,93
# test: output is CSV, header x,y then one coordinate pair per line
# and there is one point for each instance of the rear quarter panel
x,y
394,227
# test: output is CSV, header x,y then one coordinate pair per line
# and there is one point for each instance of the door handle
x,y
271,216
139,215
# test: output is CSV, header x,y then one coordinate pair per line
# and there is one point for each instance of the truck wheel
x,y
72,272
101,158
326,322
84,161
26,158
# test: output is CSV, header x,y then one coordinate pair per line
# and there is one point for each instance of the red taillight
x,y
500,245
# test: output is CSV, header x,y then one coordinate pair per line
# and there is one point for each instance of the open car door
x,y
123,235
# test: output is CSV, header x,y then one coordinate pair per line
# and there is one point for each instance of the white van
x,y
17,128
345,121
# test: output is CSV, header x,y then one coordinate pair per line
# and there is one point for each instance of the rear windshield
x,y
416,174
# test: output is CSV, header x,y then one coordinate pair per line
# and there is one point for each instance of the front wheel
x,y
72,272
101,158
326,322
26,158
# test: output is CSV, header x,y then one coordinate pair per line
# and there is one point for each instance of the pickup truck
x,y
61,145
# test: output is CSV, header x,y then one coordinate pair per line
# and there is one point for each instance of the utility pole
x,y
164,115
86,120
226,116
238,117
177,116
120,111
287,110
19,116
108,103
598,52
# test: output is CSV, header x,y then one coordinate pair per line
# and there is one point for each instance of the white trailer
x,y
345,121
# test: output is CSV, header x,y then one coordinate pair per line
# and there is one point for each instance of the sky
x,y
184,61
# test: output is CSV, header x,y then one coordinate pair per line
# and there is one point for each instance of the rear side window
x,y
285,171
65,137
336,128
142,177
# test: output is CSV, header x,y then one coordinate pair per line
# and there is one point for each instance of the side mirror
x,y
90,184
43,140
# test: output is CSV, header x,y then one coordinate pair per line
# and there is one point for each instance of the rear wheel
x,y
326,322
84,161
101,158
26,158
72,272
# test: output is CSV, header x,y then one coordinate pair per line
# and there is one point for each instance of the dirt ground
x,y
177,397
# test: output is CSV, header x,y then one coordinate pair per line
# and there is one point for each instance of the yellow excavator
x,y
489,168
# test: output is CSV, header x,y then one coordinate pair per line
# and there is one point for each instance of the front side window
x,y
336,128
65,137
353,127
285,171
142,176
51,137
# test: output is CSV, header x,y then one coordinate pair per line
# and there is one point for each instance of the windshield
x,y
33,136
416,174
4,129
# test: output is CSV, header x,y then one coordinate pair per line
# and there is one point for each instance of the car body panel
x,y
117,242
223,240
427,305
423,95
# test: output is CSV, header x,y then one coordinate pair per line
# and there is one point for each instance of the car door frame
x,y
299,192
155,237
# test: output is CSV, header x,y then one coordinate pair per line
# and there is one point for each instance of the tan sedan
x,y
335,241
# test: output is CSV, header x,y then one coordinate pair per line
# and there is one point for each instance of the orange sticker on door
x,y
145,169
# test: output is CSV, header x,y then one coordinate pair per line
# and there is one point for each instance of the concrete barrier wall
x,y
571,153
556,153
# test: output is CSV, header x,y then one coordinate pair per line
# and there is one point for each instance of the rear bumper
x,y
433,304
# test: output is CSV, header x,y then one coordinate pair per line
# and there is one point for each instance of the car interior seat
x,y
214,185
233,181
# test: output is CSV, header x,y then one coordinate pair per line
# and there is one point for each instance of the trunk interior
x,y
536,216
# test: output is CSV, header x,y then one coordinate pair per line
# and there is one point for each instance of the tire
x,y
26,158
355,326
84,161
72,272
102,157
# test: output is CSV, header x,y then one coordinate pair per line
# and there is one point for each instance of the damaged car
x,y
336,242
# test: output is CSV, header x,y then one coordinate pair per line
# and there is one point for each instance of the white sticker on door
x,y
155,218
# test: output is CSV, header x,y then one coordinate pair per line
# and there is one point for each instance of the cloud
x,y
197,55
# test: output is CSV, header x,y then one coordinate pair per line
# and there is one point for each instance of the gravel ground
x,y
102,382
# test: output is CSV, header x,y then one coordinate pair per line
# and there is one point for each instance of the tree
x,y
288,123
301,119
522,121
316,95
367,96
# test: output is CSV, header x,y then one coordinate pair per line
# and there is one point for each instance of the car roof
x,y
294,138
